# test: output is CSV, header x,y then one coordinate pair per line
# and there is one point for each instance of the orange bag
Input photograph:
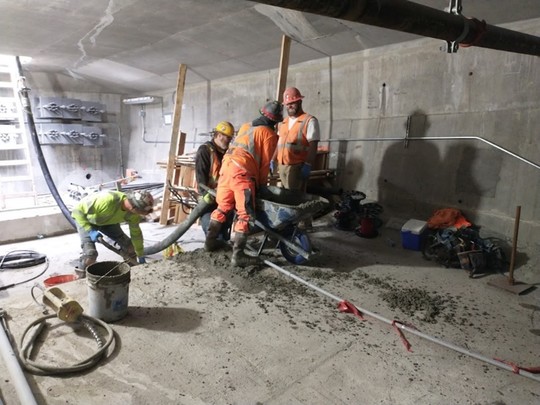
x,y
447,218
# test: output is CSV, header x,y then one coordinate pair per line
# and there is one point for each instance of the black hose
x,y
32,259
27,107
25,258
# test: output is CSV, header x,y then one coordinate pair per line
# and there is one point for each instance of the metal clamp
x,y
454,7
92,110
52,107
53,133
73,134
74,108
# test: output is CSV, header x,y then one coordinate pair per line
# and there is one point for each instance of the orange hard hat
x,y
291,94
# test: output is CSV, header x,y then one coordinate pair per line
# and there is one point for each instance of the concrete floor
x,y
201,332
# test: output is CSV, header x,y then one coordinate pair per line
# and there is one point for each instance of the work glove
x,y
305,171
273,167
209,198
94,235
142,260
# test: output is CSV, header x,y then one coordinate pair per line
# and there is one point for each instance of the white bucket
x,y
108,290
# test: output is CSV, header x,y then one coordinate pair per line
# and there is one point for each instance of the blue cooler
x,y
412,234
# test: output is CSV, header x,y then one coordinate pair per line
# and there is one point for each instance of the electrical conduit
x,y
345,306
14,369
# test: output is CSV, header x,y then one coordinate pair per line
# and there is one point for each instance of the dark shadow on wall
x,y
410,171
354,168
415,179
477,175
341,162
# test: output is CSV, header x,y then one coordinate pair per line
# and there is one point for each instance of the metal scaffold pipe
x,y
414,18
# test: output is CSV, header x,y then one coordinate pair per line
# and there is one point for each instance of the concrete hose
x,y
181,229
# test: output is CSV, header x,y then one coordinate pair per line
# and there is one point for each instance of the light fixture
x,y
142,100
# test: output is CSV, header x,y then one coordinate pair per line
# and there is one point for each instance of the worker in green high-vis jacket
x,y
102,213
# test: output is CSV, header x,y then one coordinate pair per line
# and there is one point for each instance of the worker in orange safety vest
x,y
299,136
244,169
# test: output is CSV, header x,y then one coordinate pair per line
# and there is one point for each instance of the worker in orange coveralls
x,y
244,169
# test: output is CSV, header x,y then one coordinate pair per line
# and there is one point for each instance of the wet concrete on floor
x,y
199,331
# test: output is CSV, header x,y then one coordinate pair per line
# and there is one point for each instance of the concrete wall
x,y
236,99
357,97
371,94
35,223
83,165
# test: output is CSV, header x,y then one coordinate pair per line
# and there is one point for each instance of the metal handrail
x,y
439,138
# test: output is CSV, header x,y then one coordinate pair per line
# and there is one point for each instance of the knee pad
x,y
89,250
88,256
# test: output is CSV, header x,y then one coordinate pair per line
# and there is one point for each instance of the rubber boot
x,y
239,258
212,243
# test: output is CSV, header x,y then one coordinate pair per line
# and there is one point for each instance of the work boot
x,y
239,258
212,243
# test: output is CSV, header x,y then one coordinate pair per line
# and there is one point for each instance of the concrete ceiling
x,y
136,45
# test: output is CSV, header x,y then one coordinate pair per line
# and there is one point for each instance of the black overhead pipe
x,y
414,18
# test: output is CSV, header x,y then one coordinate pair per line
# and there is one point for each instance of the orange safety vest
x,y
252,151
293,146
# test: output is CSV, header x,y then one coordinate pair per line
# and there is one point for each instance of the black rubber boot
x,y
212,243
239,258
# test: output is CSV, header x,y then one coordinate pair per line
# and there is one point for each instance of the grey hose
x,y
181,229
44,369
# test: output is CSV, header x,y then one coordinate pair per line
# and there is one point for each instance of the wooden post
x,y
511,280
282,82
283,66
177,144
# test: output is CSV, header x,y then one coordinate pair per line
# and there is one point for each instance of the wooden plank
x,y
171,177
283,66
282,82
177,143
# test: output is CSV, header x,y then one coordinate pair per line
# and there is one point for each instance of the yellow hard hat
x,y
226,128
